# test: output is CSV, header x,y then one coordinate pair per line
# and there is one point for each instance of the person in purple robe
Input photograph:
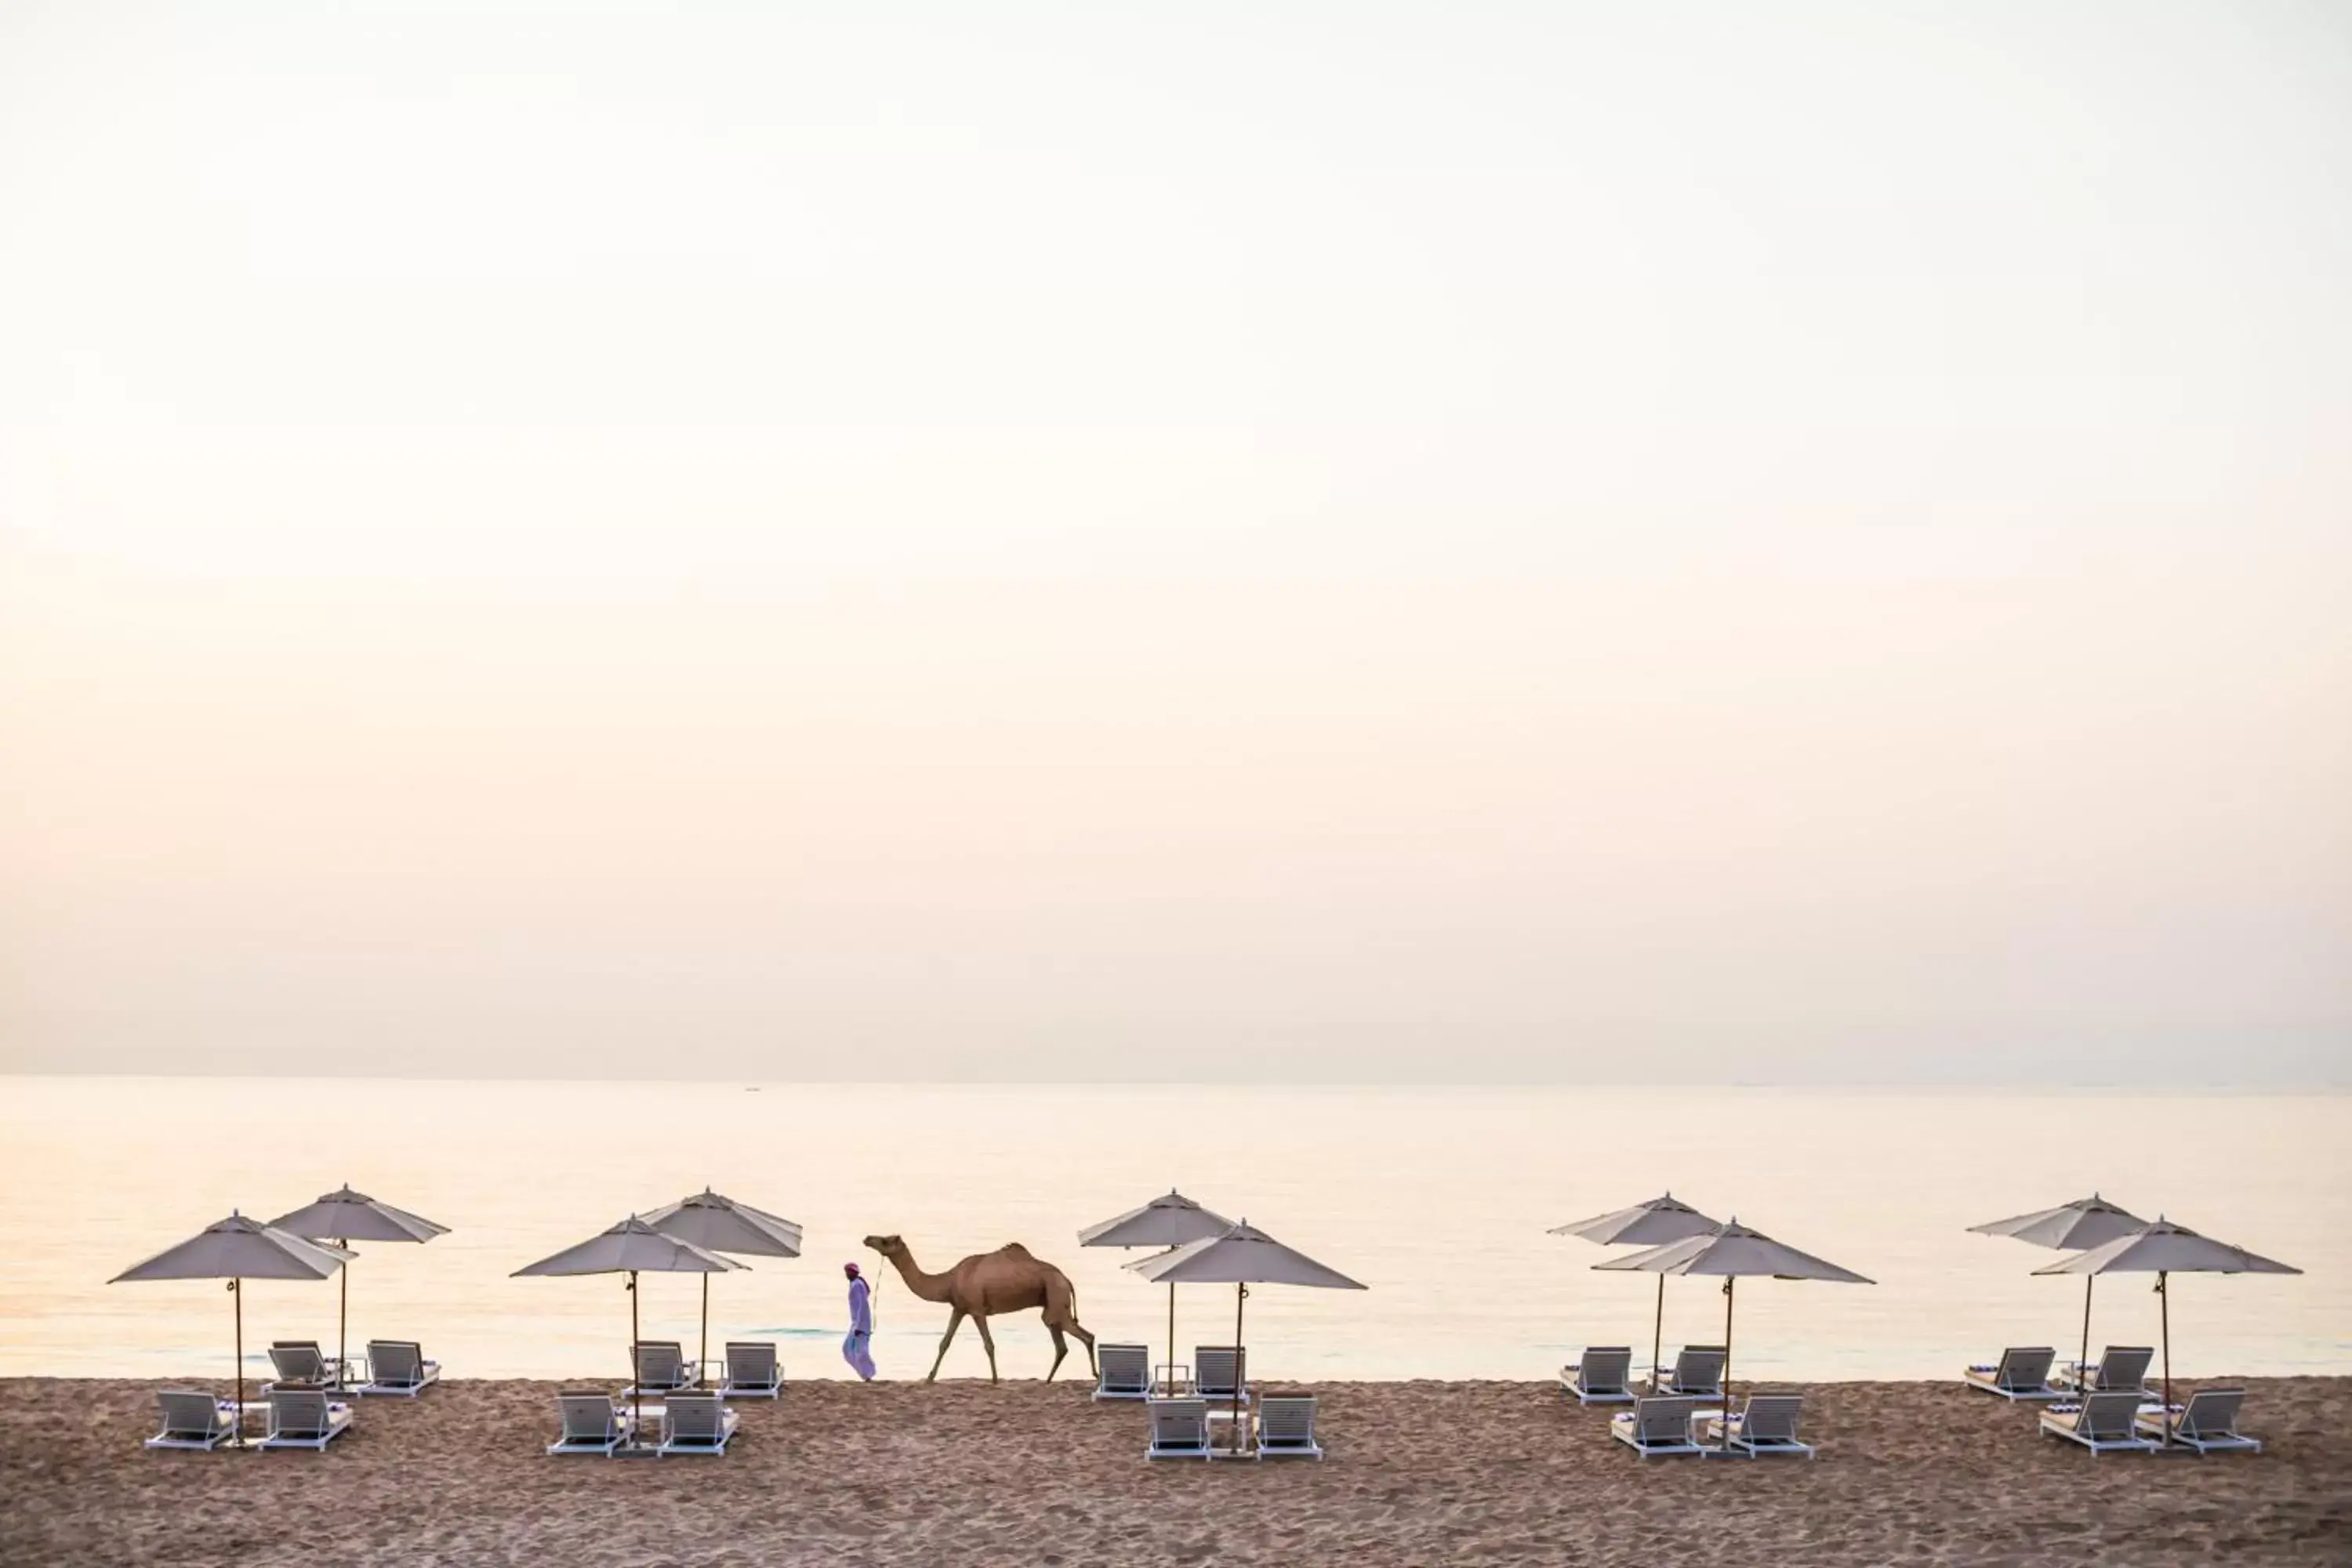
x,y
857,1348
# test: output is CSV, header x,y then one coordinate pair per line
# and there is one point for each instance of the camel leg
x,y
989,1341
1066,1320
955,1322
1061,1349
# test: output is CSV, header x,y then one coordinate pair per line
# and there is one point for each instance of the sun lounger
x,y
1218,1373
2023,1372
305,1418
2208,1423
593,1423
398,1366
751,1371
2103,1423
695,1423
1659,1424
1180,1429
661,1368
299,1363
2120,1369
1123,1372
1285,1427
1766,1424
1602,1376
194,1420
1698,1374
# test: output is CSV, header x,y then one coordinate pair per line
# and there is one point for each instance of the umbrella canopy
x,y
1241,1256
1733,1252
238,1249
2085,1222
1650,1224
1170,1221
632,1247
2163,1249
347,1216
716,1223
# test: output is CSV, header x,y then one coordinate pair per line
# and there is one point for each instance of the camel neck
x,y
925,1287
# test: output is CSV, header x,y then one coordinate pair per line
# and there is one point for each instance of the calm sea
x,y
1437,1199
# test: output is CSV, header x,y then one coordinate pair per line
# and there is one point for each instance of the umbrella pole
x,y
1171,1336
1241,1363
1729,1280
237,1296
343,1321
702,1364
1658,1335
637,1391
2164,1313
2089,1281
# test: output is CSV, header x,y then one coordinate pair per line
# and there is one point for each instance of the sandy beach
x,y
961,1472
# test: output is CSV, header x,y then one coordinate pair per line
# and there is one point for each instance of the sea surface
x,y
1437,1199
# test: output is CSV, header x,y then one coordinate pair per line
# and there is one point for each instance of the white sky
x,y
1804,541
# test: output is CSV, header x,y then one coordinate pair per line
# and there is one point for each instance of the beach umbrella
x,y
716,1223
1168,1222
2069,1228
1651,1224
632,1247
1732,1252
238,1249
345,1216
2165,1249
1241,1256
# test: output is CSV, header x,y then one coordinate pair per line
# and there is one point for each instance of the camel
x,y
1009,1279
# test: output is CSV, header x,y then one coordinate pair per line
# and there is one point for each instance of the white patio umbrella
x,y
1651,1224
1731,1251
2069,1228
345,1216
1241,1256
1169,1222
632,1247
716,1223
238,1249
2163,1249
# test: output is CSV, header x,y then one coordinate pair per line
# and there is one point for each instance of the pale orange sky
x,y
1407,542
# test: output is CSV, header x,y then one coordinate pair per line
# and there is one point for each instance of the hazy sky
x,y
1792,542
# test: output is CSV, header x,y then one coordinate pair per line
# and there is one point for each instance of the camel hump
x,y
1014,1249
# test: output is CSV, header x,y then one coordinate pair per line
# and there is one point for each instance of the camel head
x,y
890,1246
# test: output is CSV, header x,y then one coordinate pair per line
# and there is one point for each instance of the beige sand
x,y
963,1473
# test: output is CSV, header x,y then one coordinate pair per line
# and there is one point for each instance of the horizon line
x,y
2322,1087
